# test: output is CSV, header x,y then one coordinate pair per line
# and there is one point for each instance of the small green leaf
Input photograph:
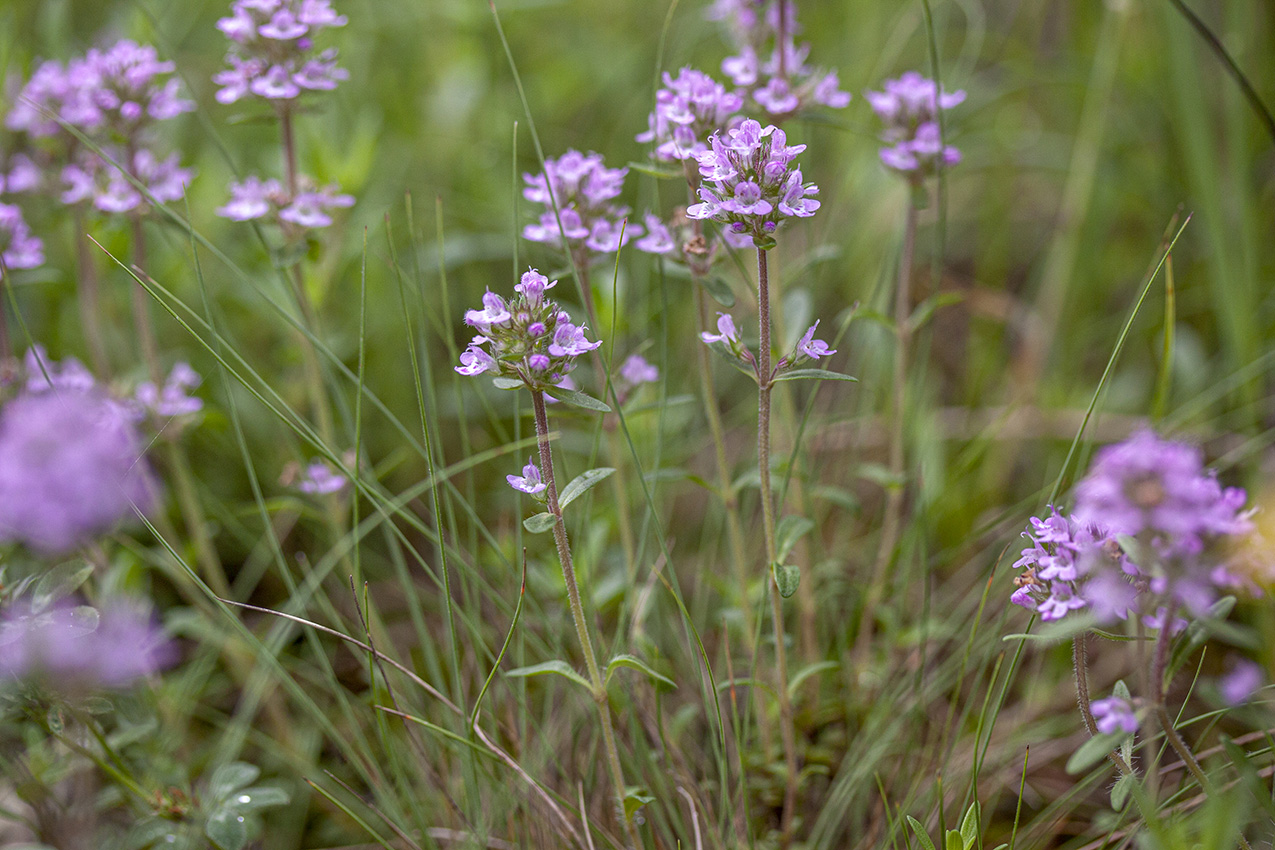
x,y
539,523
813,375
719,290
655,171
227,828
58,583
260,797
561,668
919,831
635,800
1120,792
925,310
787,577
1121,690
1093,751
581,483
579,399
969,826
1059,630
952,840
229,778
810,670
636,663
507,383
789,531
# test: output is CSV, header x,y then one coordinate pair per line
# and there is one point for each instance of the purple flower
x,y
174,398
475,360
310,209
71,467
755,185
43,374
272,46
636,370
19,249
90,178
320,479
658,238
688,110
251,199
1114,714
78,649
532,286
529,482
725,331
569,341
577,191
909,108
494,312
1241,682
254,198
813,348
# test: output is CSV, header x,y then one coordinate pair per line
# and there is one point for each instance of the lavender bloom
x,y
309,209
529,482
658,238
43,374
810,347
79,649
528,338
688,110
726,332
70,468
23,176
636,370
770,66
909,108
755,187
19,249
320,479
1241,682
174,398
1114,714
1055,567
271,56
91,179
582,190
254,198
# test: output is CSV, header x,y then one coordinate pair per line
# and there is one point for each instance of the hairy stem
x,y
786,723
596,682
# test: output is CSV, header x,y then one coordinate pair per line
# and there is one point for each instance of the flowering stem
x,y
892,521
596,683
786,724
88,291
289,150
142,304
1080,670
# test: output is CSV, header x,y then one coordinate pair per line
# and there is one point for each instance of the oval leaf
x,y
561,668
59,582
637,664
719,290
579,399
541,522
506,383
227,828
230,778
260,797
790,530
813,375
919,831
787,577
808,671
581,483
1093,751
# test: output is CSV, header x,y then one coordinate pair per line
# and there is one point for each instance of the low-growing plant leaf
x,y
635,800
539,523
787,577
813,375
1059,630
1250,777
952,840
229,778
919,831
59,583
260,797
582,483
1093,751
969,826
656,171
575,398
1120,792
503,383
636,663
719,290
925,310
788,532
560,668
227,828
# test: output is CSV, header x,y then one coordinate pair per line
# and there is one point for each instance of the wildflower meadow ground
x,y
766,424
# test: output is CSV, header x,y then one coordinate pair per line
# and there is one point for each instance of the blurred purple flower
x,y
725,331
78,649
19,249
71,467
43,374
1114,714
636,370
810,347
1241,681
689,109
320,478
272,50
585,220
529,482
174,398
909,108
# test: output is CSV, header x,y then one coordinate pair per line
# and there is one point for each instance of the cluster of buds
x,y
755,185
309,208
273,54
531,339
689,109
579,217
770,65
107,188
1153,532
909,108
727,342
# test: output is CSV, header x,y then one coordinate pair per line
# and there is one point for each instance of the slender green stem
x,y
596,682
88,295
141,302
892,522
786,723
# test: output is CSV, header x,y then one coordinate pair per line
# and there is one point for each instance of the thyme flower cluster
x,y
755,185
1153,532
688,109
909,108
272,54
579,217
528,339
